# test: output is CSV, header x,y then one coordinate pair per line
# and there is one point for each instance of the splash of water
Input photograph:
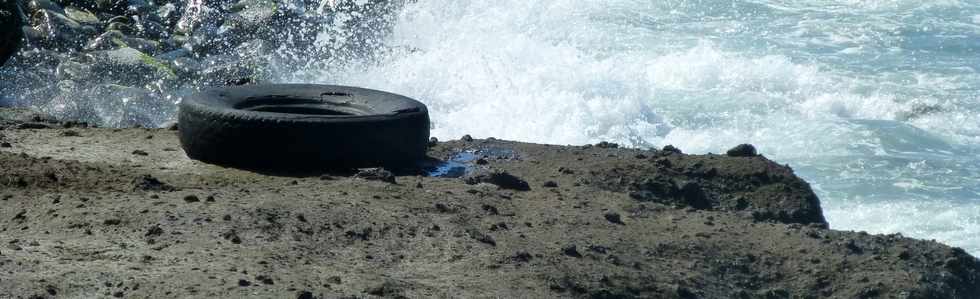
x,y
874,103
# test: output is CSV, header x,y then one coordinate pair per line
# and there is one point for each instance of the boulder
x,y
83,17
110,40
33,6
61,32
130,67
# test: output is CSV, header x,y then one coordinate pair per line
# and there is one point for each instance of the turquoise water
x,y
875,103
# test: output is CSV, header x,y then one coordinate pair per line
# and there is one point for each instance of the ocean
x,y
875,103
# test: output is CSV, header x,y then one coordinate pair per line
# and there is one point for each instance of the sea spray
x,y
874,103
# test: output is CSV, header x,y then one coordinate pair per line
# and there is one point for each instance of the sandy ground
x,y
90,212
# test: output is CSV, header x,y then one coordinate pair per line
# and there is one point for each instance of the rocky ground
x,y
101,212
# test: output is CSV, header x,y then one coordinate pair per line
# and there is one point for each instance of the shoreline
x,y
123,212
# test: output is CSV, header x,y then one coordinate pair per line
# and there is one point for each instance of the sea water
x,y
876,103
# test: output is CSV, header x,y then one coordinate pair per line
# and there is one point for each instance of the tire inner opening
x,y
301,106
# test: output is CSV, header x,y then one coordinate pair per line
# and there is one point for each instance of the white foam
x,y
953,223
878,145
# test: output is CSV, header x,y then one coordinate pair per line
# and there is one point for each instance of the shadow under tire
x,y
301,127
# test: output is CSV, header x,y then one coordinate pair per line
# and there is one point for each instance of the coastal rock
x,y
110,40
742,150
586,239
499,178
130,67
34,6
60,32
83,17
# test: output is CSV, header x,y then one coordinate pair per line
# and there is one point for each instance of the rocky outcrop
x,y
126,211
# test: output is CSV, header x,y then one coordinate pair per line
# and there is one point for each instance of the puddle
x,y
464,161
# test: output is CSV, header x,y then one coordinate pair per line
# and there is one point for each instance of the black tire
x,y
294,127
11,33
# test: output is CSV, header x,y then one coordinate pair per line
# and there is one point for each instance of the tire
x,y
288,127
11,33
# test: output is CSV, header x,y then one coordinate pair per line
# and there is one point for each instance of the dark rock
x,y
363,235
52,290
191,198
606,144
655,188
150,183
571,250
671,149
443,208
467,138
305,295
482,238
154,231
522,257
853,247
34,6
550,184
433,142
742,150
140,153
502,179
376,174
386,289
232,236
265,280
693,196
60,32
244,283
614,218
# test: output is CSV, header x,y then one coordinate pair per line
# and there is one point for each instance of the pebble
x,y
571,250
